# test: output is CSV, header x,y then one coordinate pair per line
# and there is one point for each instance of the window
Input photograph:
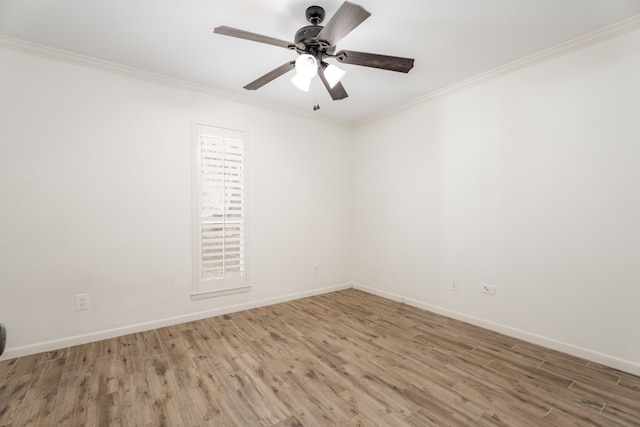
x,y
219,212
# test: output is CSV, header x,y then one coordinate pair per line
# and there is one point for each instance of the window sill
x,y
219,292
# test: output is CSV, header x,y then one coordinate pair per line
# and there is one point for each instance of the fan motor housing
x,y
307,33
306,36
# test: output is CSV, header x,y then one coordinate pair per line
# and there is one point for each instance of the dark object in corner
x,y
3,338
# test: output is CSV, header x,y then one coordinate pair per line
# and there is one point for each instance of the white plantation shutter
x,y
221,230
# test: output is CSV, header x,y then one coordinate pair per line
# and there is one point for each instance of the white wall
x,y
95,197
529,182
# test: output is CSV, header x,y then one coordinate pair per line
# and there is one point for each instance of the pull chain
x,y
316,106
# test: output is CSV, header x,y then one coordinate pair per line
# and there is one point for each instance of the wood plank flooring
x,y
341,359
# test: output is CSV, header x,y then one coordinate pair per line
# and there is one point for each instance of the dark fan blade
x,y
348,17
384,62
241,34
271,75
337,92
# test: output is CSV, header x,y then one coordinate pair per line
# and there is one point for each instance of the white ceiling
x,y
451,40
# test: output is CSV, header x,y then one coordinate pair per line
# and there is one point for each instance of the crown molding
x,y
59,55
603,34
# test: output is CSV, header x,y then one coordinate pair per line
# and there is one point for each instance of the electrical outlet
x,y
315,268
488,289
454,285
82,302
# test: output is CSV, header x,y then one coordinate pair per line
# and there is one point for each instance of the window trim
x,y
199,289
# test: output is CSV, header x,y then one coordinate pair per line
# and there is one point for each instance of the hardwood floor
x,y
341,359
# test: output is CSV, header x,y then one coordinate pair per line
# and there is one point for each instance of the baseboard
x,y
12,353
604,359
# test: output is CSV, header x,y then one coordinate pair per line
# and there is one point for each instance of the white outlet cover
x,y
82,302
488,289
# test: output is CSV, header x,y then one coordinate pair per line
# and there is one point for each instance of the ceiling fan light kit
x,y
315,43
306,69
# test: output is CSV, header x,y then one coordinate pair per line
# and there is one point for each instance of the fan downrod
x,y
315,15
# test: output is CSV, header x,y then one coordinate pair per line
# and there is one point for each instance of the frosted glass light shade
x,y
306,69
333,75
301,82
306,65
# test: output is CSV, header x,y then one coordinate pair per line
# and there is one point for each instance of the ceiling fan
x,y
315,43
